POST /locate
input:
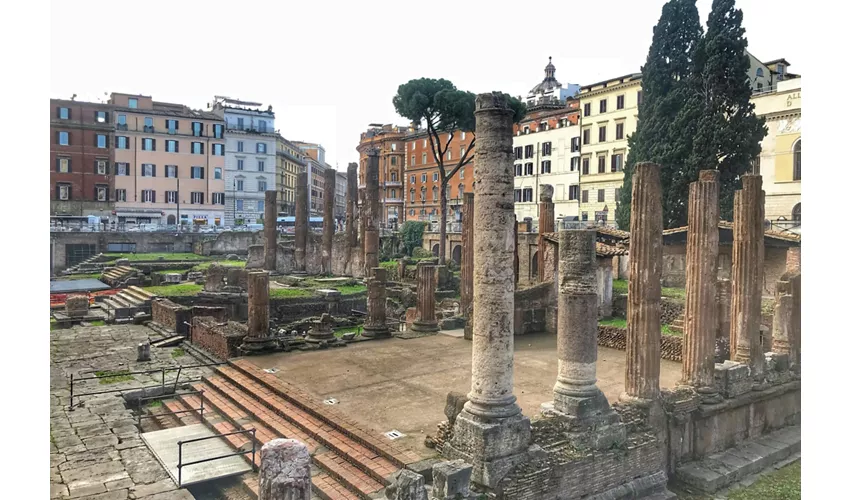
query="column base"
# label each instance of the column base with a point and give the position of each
(254, 345)
(425, 326)
(376, 332)
(599, 432)
(493, 446)
(315, 339)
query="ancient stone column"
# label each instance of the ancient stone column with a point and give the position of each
(701, 285)
(376, 304)
(491, 432)
(643, 331)
(302, 226)
(747, 272)
(285, 470)
(516, 250)
(258, 338)
(793, 259)
(351, 206)
(467, 262)
(724, 309)
(270, 232)
(545, 224)
(328, 223)
(786, 317)
(372, 213)
(426, 284)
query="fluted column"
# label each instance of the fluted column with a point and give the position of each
(643, 331)
(351, 206)
(546, 224)
(270, 232)
(376, 304)
(747, 273)
(786, 317)
(328, 223)
(301, 221)
(372, 204)
(701, 285)
(724, 319)
(467, 262)
(426, 319)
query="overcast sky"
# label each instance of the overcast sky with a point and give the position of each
(330, 69)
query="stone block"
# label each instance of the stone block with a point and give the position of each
(406, 485)
(732, 379)
(285, 470)
(173, 277)
(454, 405)
(451, 479)
(143, 352)
(776, 361)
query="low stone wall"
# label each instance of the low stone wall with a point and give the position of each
(170, 315)
(297, 308)
(219, 338)
(340, 264)
(615, 338)
(671, 309)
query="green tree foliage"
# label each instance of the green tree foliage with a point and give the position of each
(411, 235)
(445, 110)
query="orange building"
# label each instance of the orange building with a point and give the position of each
(389, 140)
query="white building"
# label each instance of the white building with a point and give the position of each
(250, 159)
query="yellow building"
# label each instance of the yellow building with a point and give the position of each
(609, 113)
(779, 162)
(290, 161)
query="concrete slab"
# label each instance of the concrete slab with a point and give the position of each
(164, 446)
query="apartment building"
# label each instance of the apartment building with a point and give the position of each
(340, 194)
(169, 162)
(290, 161)
(251, 159)
(423, 176)
(81, 155)
(389, 140)
(315, 157)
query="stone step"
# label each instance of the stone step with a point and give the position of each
(750, 457)
(136, 296)
(347, 474)
(141, 292)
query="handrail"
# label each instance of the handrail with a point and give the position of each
(164, 396)
(180, 444)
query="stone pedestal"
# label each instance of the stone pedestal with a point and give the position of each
(545, 224)
(302, 227)
(451, 480)
(701, 286)
(491, 433)
(426, 319)
(376, 305)
(328, 223)
(143, 352)
(77, 306)
(467, 262)
(643, 331)
(270, 232)
(285, 471)
(321, 330)
(258, 338)
(747, 275)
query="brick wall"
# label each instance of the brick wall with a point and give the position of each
(615, 338)
(170, 315)
(220, 339)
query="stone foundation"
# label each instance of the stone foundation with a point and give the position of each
(171, 316)
(615, 338)
(220, 339)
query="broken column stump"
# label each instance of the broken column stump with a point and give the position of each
(426, 319)
(258, 338)
(302, 227)
(285, 471)
(270, 232)
(328, 223)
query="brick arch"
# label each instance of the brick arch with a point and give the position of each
(456, 254)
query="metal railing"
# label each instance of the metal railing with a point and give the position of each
(168, 396)
(137, 228)
(181, 464)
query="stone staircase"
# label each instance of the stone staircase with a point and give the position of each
(124, 305)
(91, 265)
(678, 324)
(348, 461)
(117, 276)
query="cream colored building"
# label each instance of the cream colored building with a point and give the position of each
(780, 159)
(290, 161)
(609, 113)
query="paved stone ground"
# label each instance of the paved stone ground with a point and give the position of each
(95, 451)
(402, 384)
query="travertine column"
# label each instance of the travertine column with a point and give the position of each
(786, 317)
(376, 304)
(701, 285)
(285, 471)
(516, 250)
(270, 232)
(545, 224)
(258, 338)
(724, 310)
(491, 432)
(747, 273)
(302, 227)
(643, 331)
(372, 207)
(467, 265)
(328, 223)
(426, 283)
(576, 393)
(351, 206)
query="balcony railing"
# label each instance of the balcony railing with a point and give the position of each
(392, 183)
(250, 128)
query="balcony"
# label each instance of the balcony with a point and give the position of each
(148, 128)
(393, 200)
(121, 126)
(248, 128)
(392, 183)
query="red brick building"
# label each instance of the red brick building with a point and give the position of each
(390, 141)
(81, 155)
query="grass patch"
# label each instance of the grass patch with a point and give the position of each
(53, 324)
(665, 330)
(351, 289)
(176, 353)
(82, 276)
(141, 257)
(182, 290)
(97, 322)
(114, 377)
(156, 403)
(231, 263)
(288, 293)
(782, 484)
(165, 271)
(347, 329)
(621, 287)
(621, 323)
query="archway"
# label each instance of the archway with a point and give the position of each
(796, 214)
(456, 254)
(534, 265)
(172, 220)
(435, 250)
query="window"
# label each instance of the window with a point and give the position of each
(639, 97)
(602, 131)
(424, 143)
(218, 150)
(436, 176)
(460, 191)
(197, 198)
(517, 195)
(262, 126)
(529, 169)
(585, 166)
(240, 204)
(573, 193)
(412, 160)
(148, 124)
(218, 131)
(217, 174)
(603, 106)
(261, 186)
(584, 194)
(759, 72)
(240, 123)
(100, 116)
(122, 169)
(543, 126)
(122, 142)
(412, 195)
(413, 179)
(122, 121)
(171, 196)
(797, 160)
(64, 113)
(261, 166)
(64, 138)
(621, 101)
(197, 129)
(527, 195)
(547, 149)
(424, 178)
(240, 185)
(796, 214)
(414, 145)
(600, 195)
(435, 193)
(63, 165)
(197, 172)
(424, 158)
(617, 163)
(546, 167)
(172, 126)
(587, 109)
(463, 136)
(171, 146)
(529, 151)
(148, 144)
(449, 154)
(171, 171)
(462, 151)
(261, 148)
(585, 136)
(393, 147)
(148, 196)
(63, 191)
(393, 159)
(422, 194)
(218, 198)
(148, 170)
(120, 195)
(392, 194)
(601, 169)
(240, 146)
(100, 140)
(618, 131)
(100, 167)
(197, 148)
(616, 194)
(461, 172)
(575, 145)
(755, 166)
(132, 103)
(240, 164)
(518, 153)
(517, 169)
